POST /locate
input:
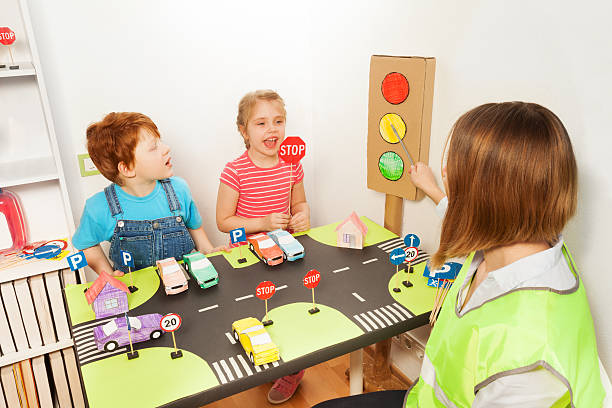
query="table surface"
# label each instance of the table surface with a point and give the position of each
(358, 308)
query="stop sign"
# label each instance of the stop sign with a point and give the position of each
(7, 36)
(292, 150)
(265, 290)
(312, 279)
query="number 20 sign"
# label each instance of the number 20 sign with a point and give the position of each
(170, 322)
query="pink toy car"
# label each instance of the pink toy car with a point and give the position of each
(114, 334)
(172, 276)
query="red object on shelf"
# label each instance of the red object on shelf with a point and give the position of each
(7, 36)
(11, 209)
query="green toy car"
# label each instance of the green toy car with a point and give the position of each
(200, 269)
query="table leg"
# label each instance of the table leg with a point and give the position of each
(356, 376)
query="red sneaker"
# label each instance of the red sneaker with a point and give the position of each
(284, 388)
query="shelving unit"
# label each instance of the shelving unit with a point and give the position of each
(34, 335)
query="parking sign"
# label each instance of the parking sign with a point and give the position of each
(238, 235)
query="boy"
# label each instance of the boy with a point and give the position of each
(146, 211)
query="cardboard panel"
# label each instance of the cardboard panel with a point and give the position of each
(408, 109)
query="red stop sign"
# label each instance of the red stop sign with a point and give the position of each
(265, 290)
(292, 150)
(312, 279)
(7, 36)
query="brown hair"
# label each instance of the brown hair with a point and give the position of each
(512, 178)
(247, 103)
(113, 140)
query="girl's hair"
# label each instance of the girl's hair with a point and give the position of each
(512, 178)
(247, 103)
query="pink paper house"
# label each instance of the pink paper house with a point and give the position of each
(351, 232)
(108, 296)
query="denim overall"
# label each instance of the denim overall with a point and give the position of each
(150, 240)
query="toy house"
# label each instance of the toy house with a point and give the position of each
(351, 232)
(108, 296)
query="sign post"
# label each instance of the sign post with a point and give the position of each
(396, 257)
(131, 354)
(170, 323)
(238, 236)
(311, 281)
(292, 150)
(128, 260)
(264, 291)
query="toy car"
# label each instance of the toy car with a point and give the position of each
(291, 247)
(255, 340)
(200, 268)
(265, 249)
(114, 334)
(172, 276)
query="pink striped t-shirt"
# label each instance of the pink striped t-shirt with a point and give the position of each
(261, 191)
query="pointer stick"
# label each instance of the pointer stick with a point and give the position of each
(403, 145)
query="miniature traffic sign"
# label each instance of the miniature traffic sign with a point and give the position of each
(311, 281)
(292, 150)
(170, 323)
(133, 353)
(396, 257)
(128, 260)
(7, 37)
(264, 291)
(77, 261)
(411, 254)
(238, 236)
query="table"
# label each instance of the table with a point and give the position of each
(358, 308)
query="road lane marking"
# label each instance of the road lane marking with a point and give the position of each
(389, 314)
(227, 370)
(380, 323)
(282, 287)
(358, 297)
(275, 364)
(398, 314)
(362, 323)
(106, 354)
(404, 311)
(378, 312)
(370, 260)
(370, 322)
(383, 246)
(230, 338)
(244, 364)
(236, 368)
(266, 366)
(208, 308)
(341, 269)
(243, 297)
(257, 368)
(219, 373)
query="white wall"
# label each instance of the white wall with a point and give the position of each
(187, 66)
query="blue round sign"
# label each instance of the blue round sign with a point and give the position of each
(412, 240)
(397, 256)
(47, 251)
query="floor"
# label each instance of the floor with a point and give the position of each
(321, 382)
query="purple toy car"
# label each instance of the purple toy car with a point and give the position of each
(114, 334)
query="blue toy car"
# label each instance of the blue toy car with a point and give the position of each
(291, 247)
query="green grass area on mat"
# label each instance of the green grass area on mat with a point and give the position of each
(150, 380)
(296, 332)
(232, 257)
(327, 233)
(146, 280)
(419, 298)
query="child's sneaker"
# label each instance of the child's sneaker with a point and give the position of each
(284, 388)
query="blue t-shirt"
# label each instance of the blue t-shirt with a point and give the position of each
(97, 224)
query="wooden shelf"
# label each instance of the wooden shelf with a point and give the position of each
(25, 69)
(13, 358)
(30, 269)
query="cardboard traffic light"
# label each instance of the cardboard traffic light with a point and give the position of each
(400, 105)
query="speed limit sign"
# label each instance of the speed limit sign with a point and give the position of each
(411, 253)
(170, 322)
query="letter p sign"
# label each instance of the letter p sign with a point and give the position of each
(77, 261)
(127, 259)
(238, 235)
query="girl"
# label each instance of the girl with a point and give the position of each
(515, 329)
(260, 192)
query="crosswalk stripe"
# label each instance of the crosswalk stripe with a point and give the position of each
(362, 323)
(378, 312)
(85, 342)
(275, 364)
(101, 354)
(257, 369)
(236, 368)
(404, 311)
(91, 353)
(230, 338)
(265, 366)
(88, 325)
(391, 248)
(227, 370)
(244, 364)
(390, 315)
(380, 323)
(358, 297)
(371, 323)
(219, 373)
(398, 314)
(81, 350)
(85, 336)
(389, 243)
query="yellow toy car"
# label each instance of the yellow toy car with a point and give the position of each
(255, 340)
